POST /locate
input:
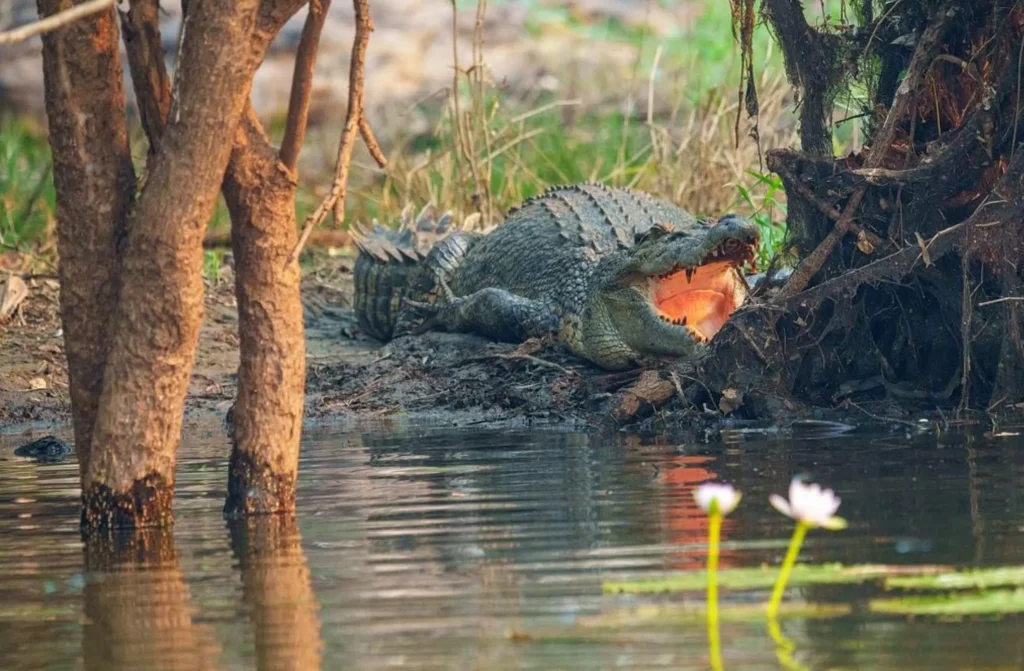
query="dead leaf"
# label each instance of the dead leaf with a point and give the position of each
(37, 383)
(652, 389)
(731, 399)
(528, 346)
(13, 292)
(863, 244)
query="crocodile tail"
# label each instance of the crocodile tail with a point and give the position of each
(384, 262)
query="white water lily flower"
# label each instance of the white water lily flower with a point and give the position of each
(725, 498)
(810, 504)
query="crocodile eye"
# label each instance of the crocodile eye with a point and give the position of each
(653, 232)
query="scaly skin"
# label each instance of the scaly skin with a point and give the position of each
(579, 262)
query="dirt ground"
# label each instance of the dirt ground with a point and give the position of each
(454, 378)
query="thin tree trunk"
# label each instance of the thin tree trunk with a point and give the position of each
(260, 193)
(130, 476)
(95, 185)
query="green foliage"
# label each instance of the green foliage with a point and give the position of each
(769, 214)
(212, 260)
(27, 198)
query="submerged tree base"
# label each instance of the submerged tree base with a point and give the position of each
(257, 488)
(147, 503)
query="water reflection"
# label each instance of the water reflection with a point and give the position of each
(138, 609)
(427, 547)
(277, 589)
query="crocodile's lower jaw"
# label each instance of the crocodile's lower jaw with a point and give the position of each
(700, 300)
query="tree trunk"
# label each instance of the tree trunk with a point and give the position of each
(276, 585)
(130, 477)
(260, 194)
(95, 185)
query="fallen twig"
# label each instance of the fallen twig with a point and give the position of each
(55, 21)
(353, 123)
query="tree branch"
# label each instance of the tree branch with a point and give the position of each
(55, 21)
(371, 142)
(356, 75)
(808, 66)
(140, 31)
(302, 83)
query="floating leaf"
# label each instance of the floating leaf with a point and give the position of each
(764, 578)
(1007, 576)
(998, 602)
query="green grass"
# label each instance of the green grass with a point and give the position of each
(27, 197)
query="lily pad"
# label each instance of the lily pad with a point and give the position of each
(995, 602)
(764, 578)
(1006, 576)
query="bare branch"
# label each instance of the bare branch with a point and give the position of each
(371, 142)
(356, 75)
(302, 83)
(56, 21)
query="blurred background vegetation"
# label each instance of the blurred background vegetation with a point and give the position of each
(666, 124)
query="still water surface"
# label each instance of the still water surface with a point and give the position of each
(433, 548)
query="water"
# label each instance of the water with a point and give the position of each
(434, 548)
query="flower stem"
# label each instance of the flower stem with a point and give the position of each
(714, 640)
(787, 568)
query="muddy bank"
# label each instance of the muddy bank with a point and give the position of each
(453, 379)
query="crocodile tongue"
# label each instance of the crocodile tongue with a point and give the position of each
(702, 299)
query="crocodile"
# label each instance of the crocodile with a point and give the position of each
(616, 275)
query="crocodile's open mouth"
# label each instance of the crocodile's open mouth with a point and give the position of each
(702, 299)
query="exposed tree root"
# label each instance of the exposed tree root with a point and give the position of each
(922, 306)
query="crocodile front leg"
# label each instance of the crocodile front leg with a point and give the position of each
(493, 313)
